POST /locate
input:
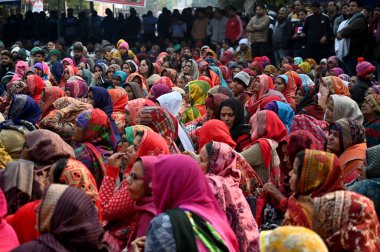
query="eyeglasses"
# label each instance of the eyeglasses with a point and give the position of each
(132, 177)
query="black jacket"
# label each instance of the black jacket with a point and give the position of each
(357, 31)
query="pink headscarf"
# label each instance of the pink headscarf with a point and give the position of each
(8, 237)
(185, 186)
(69, 61)
(20, 68)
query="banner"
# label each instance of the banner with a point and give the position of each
(136, 3)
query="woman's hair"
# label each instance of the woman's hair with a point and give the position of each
(140, 133)
(301, 157)
(209, 148)
(150, 67)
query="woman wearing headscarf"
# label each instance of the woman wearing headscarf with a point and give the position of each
(76, 87)
(205, 70)
(314, 174)
(68, 72)
(35, 85)
(48, 97)
(190, 69)
(139, 79)
(162, 122)
(119, 100)
(218, 161)
(56, 73)
(67, 222)
(118, 208)
(286, 85)
(134, 91)
(346, 221)
(331, 85)
(340, 106)
(61, 119)
(267, 130)
(371, 112)
(196, 96)
(369, 181)
(8, 237)
(25, 179)
(23, 115)
(260, 87)
(118, 79)
(182, 195)
(284, 112)
(133, 108)
(290, 238)
(171, 74)
(347, 141)
(231, 112)
(306, 102)
(146, 69)
(172, 103)
(157, 90)
(218, 72)
(94, 141)
(99, 98)
(20, 68)
(99, 78)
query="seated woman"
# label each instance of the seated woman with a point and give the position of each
(119, 100)
(306, 102)
(94, 141)
(231, 112)
(218, 161)
(290, 238)
(340, 232)
(23, 115)
(340, 106)
(139, 79)
(157, 90)
(347, 141)
(286, 85)
(314, 174)
(267, 130)
(331, 85)
(371, 112)
(133, 108)
(134, 91)
(117, 205)
(259, 89)
(182, 195)
(76, 87)
(284, 112)
(48, 97)
(25, 179)
(64, 208)
(369, 181)
(61, 119)
(196, 94)
(118, 79)
(162, 122)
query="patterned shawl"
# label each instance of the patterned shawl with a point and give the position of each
(162, 122)
(345, 107)
(48, 97)
(265, 83)
(346, 221)
(319, 129)
(136, 90)
(24, 108)
(331, 85)
(320, 173)
(135, 106)
(35, 86)
(350, 131)
(142, 82)
(77, 87)
(17, 87)
(119, 100)
(198, 93)
(290, 91)
(223, 177)
(308, 93)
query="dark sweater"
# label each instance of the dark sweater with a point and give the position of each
(357, 31)
(282, 35)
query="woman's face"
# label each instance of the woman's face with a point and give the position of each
(203, 159)
(82, 66)
(122, 51)
(227, 115)
(284, 149)
(187, 97)
(279, 85)
(137, 80)
(130, 94)
(367, 110)
(110, 73)
(187, 68)
(329, 114)
(181, 83)
(235, 71)
(67, 90)
(98, 72)
(116, 81)
(256, 85)
(90, 98)
(237, 87)
(143, 69)
(210, 113)
(132, 150)
(299, 96)
(128, 118)
(66, 74)
(284, 61)
(79, 134)
(333, 144)
(293, 175)
(53, 58)
(135, 181)
(126, 69)
(39, 72)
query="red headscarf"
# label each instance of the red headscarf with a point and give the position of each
(50, 96)
(215, 130)
(35, 86)
(119, 99)
(253, 104)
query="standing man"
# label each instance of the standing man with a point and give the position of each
(282, 35)
(317, 31)
(234, 28)
(257, 32)
(199, 29)
(149, 25)
(217, 27)
(356, 30)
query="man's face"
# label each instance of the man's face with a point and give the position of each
(331, 7)
(5, 60)
(315, 10)
(345, 10)
(281, 15)
(298, 6)
(353, 8)
(301, 15)
(51, 45)
(376, 12)
(78, 54)
(38, 57)
(259, 11)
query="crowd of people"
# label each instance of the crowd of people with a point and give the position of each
(209, 146)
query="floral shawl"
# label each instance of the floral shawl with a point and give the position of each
(253, 104)
(135, 106)
(77, 87)
(223, 178)
(119, 100)
(346, 221)
(48, 97)
(198, 93)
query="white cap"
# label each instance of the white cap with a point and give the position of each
(243, 77)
